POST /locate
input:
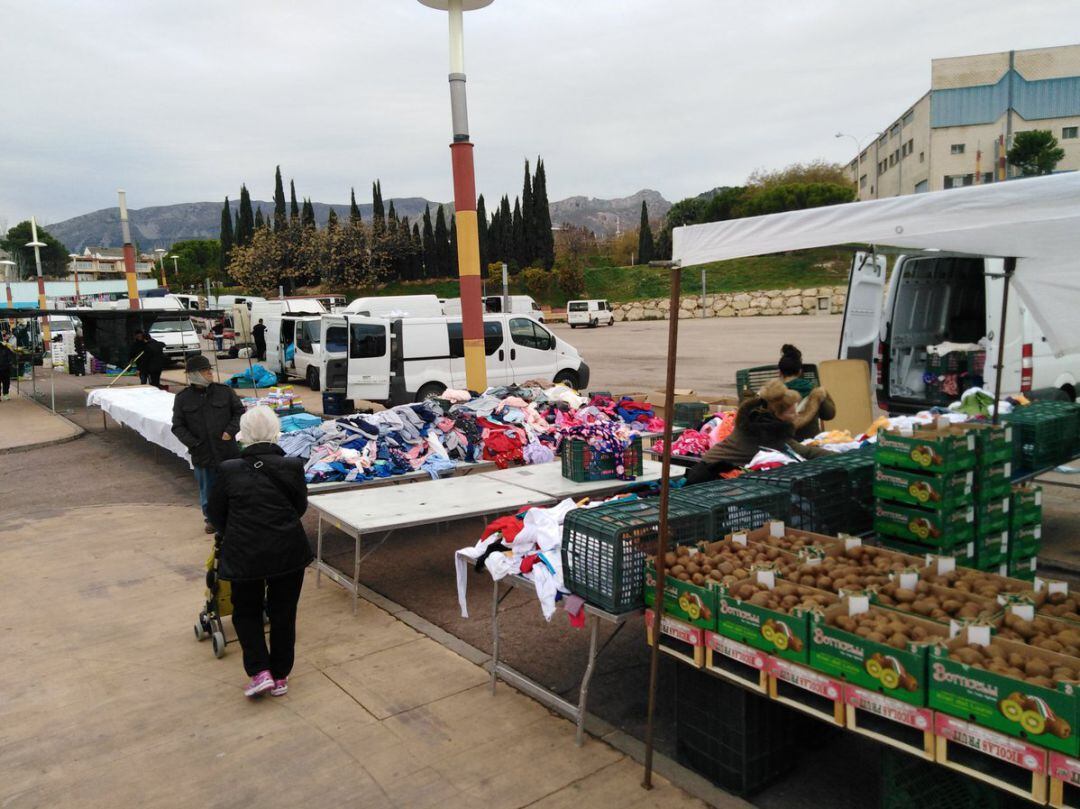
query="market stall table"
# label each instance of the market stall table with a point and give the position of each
(547, 478)
(145, 409)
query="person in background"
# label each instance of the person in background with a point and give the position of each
(206, 418)
(259, 333)
(149, 356)
(8, 363)
(256, 505)
(218, 330)
(815, 403)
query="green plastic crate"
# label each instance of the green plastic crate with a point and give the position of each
(577, 461)
(604, 548)
(690, 414)
(858, 466)
(749, 380)
(908, 782)
(1043, 435)
(818, 496)
(734, 505)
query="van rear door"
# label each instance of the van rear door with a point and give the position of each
(334, 338)
(862, 312)
(368, 375)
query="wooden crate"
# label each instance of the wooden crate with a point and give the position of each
(1064, 781)
(1005, 762)
(737, 662)
(890, 721)
(806, 690)
(679, 640)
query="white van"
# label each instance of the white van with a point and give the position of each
(493, 304)
(928, 299)
(591, 313)
(178, 335)
(403, 360)
(396, 306)
(227, 302)
(292, 336)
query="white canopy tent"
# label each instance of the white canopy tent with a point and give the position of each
(1036, 221)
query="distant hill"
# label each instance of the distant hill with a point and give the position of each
(162, 225)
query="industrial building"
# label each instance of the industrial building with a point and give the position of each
(959, 131)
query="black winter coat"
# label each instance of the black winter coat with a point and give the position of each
(201, 415)
(257, 511)
(153, 354)
(7, 357)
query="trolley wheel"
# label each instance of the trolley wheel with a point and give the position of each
(218, 641)
(202, 627)
(200, 633)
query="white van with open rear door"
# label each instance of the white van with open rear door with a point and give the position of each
(292, 334)
(893, 315)
(401, 360)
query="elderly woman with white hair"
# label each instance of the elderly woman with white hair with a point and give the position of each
(256, 505)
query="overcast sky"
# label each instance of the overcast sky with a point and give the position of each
(181, 102)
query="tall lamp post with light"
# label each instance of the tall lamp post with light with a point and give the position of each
(42, 303)
(8, 264)
(160, 253)
(175, 269)
(461, 159)
(75, 272)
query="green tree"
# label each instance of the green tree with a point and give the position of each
(391, 215)
(816, 171)
(506, 233)
(279, 201)
(544, 238)
(482, 230)
(796, 196)
(307, 215)
(197, 260)
(428, 246)
(528, 223)
(294, 209)
(417, 252)
(517, 235)
(247, 218)
(645, 239)
(331, 219)
(226, 235)
(54, 256)
(354, 209)
(378, 213)
(442, 245)
(571, 281)
(536, 281)
(259, 222)
(1035, 152)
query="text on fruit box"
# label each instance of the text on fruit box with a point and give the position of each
(889, 708)
(737, 651)
(804, 678)
(1065, 769)
(678, 630)
(991, 743)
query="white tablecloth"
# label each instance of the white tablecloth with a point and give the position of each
(145, 409)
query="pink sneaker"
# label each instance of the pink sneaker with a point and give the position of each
(260, 683)
(281, 687)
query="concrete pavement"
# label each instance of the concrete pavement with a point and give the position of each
(25, 424)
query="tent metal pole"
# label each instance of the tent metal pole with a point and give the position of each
(1010, 268)
(665, 493)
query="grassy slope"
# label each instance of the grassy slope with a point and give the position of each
(802, 269)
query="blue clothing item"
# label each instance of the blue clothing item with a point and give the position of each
(205, 477)
(299, 421)
(435, 465)
(299, 443)
(290, 352)
(263, 378)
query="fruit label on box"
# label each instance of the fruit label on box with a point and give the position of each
(737, 651)
(993, 744)
(919, 525)
(889, 708)
(677, 629)
(936, 491)
(683, 600)
(769, 630)
(927, 450)
(805, 678)
(1064, 768)
(776, 528)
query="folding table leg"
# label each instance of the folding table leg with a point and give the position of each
(583, 695)
(356, 576)
(494, 634)
(318, 555)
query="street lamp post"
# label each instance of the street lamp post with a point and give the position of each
(7, 264)
(129, 253)
(43, 306)
(160, 253)
(175, 271)
(461, 159)
(75, 272)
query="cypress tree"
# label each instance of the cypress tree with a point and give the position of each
(307, 214)
(544, 239)
(226, 235)
(259, 222)
(427, 245)
(442, 245)
(391, 214)
(378, 213)
(528, 248)
(331, 220)
(482, 234)
(294, 209)
(247, 218)
(354, 209)
(517, 236)
(645, 248)
(506, 231)
(236, 228)
(417, 252)
(279, 201)
(453, 245)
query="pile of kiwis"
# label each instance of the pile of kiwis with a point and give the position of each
(1044, 633)
(941, 605)
(998, 658)
(851, 569)
(889, 628)
(788, 542)
(981, 583)
(727, 563)
(1061, 605)
(783, 597)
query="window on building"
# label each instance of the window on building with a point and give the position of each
(922, 156)
(958, 180)
(1068, 132)
(894, 131)
(909, 116)
(911, 146)
(862, 181)
(956, 148)
(903, 150)
(862, 157)
(987, 177)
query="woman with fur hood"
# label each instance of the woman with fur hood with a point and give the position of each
(815, 403)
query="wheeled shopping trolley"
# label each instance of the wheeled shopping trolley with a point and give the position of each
(218, 604)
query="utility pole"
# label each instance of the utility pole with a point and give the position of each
(129, 253)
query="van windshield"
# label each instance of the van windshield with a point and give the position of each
(171, 326)
(578, 306)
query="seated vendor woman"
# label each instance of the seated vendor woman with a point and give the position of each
(815, 403)
(767, 421)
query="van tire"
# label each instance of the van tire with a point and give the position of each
(611, 322)
(567, 377)
(313, 378)
(592, 324)
(573, 325)
(432, 390)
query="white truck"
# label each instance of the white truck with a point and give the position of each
(399, 360)
(928, 299)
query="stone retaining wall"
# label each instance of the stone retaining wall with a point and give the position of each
(737, 304)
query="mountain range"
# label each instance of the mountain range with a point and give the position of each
(162, 225)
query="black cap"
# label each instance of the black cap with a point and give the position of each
(198, 363)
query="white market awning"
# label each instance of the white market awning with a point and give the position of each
(1035, 220)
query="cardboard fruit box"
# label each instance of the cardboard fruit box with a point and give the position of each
(935, 528)
(994, 480)
(938, 491)
(991, 549)
(1025, 540)
(963, 553)
(993, 442)
(683, 600)
(777, 632)
(776, 534)
(943, 571)
(992, 515)
(1023, 568)
(1048, 717)
(869, 660)
(1026, 505)
(952, 605)
(931, 450)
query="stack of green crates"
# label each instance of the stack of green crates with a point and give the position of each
(858, 465)
(1046, 434)
(1025, 530)
(993, 488)
(923, 487)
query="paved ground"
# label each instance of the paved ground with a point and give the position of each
(24, 423)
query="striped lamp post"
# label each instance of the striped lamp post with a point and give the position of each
(461, 158)
(129, 254)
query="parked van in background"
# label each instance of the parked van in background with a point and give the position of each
(227, 302)
(396, 306)
(891, 318)
(591, 313)
(493, 304)
(400, 360)
(292, 336)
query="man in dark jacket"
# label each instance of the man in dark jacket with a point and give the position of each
(256, 504)
(206, 419)
(8, 363)
(151, 358)
(259, 333)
